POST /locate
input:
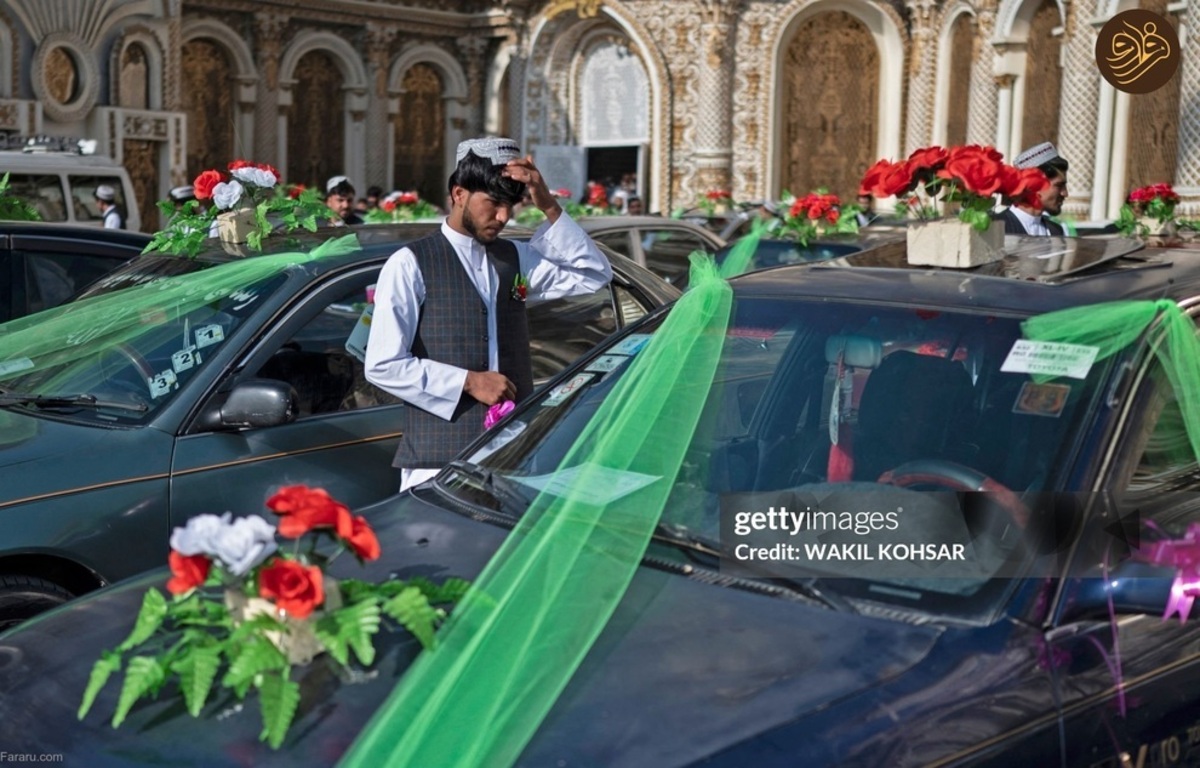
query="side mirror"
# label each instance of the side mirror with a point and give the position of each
(1135, 587)
(254, 403)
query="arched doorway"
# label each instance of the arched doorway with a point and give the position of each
(420, 130)
(316, 131)
(207, 73)
(831, 92)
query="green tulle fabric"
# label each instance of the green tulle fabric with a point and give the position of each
(514, 642)
(1113, 326)
(83, 328)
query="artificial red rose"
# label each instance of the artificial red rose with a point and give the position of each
(303, 509)
(718, 194)
(832, 215)
(927, 159)
(233, 166)
(187, 572)
(204, 183)
(295, 588)
(295, 191)
(407, 198)
(359, 536)
(1022, 183)
(892, 179)
(871, 178)
(975, 170)
(388, 205)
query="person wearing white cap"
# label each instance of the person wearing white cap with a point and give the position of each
(449, 335)
(339, 196)
(1024, 219)
(106, 200)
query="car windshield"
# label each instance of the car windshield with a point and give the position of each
(775, 253)
(129, 358)
(821, 400)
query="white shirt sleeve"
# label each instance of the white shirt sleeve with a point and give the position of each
(389, 364)
(561, 260)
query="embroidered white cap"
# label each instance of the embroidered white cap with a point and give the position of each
(499, 150)
(333, 182)
(182, 194)
(106, 192)
(1036, 156)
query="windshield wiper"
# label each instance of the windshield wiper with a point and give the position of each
(8, 399)
(686, 540)
(501, 488)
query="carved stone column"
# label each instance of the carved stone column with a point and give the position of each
(1080, 99)
(473, 51)
(981, 112)
(269, 31)
(378, 127)
(919, 128)
(714, 128)
(1187, 169)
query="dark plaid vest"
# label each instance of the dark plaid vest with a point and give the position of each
(453, 329)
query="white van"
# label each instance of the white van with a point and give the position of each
(60, 185)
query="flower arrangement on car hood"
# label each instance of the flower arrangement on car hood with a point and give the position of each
(248, 195)
(816, 214)
(243, 605)
(968, 177)
(402, 206)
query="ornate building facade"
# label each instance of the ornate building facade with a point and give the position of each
(754, 96)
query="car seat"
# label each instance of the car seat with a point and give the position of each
(912, 407)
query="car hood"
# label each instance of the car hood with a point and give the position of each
(682, 670)
(33, 452)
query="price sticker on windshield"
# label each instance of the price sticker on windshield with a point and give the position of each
(1050, 358)
(163, 383)
(208, 335)
(605, 363)
(185, 359)
(563, 392)
(630, 345)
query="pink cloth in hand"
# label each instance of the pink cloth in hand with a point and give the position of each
(497, 412)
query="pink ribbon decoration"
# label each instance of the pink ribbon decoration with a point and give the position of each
(497, 412)
(1183, 554)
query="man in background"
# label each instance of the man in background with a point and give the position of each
(106, 201)
(1025, 219)
(339, 196)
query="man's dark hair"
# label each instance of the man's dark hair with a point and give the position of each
(1054, 168)
(477, 174)
(343, 188)
(374, 191)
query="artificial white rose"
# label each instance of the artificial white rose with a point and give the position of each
(259, 177)
(227, 194)
(244, 544)
(197, 537)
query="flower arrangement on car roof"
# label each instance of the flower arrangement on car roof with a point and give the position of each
(817, 214)
(967, 177)
(715, 202)
(243, 204)
(402, 206)
(243, 605)
(1147, 208)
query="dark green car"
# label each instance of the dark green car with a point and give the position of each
(210, 409)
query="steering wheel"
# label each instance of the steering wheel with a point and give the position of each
(959, 478)
(131, 358)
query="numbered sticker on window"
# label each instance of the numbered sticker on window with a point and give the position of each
(630, 345)
(163, 383)
(563, 392)
(605, 363)
(208, 335)
(185, 359)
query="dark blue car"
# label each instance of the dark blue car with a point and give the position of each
(855, 386)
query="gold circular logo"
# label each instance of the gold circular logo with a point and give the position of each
(1137, 51)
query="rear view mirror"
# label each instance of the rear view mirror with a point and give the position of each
(254, 403)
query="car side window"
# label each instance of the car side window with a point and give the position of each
(43, 191)
(1166, 453)
(618, 241)
(319, 360)
(667, 253)
(84, 201)
(52, 278)
(561, 330)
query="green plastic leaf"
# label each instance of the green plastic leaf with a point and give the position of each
(412, 609)
(449, 591)
(145, 674)
(254, 657)
(357, 625)
(327, 631)
(108, 663)
(279, 697)
(150, 618)
(197, 668)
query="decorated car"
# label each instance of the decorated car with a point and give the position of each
(842, 513)
(181, 385)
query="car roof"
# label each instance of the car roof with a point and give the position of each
(73, 232)
(1106, 269)
(590, 223)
